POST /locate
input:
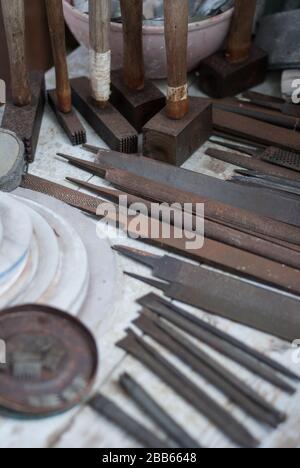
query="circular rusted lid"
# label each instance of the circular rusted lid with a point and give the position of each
(51, 361)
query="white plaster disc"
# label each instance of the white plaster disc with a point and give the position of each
(49, 258)
(72, 276)
(16, 237)
(25, 278)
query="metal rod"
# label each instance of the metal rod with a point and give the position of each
(160, 366)
(112, 412)
(157, 413)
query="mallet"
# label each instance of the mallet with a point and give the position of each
(136, 98)
(60, 99)
(175, 133)
(242, 65)
(24, 110)
(91, 98)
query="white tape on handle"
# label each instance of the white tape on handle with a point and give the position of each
(100, 66)
(177, 94)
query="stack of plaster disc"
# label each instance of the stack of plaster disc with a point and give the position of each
(43, 259)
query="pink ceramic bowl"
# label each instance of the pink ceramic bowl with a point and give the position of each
(205, 38)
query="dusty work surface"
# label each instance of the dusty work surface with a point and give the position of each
(81, 427)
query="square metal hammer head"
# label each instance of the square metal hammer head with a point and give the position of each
(174, 141)
(219, 78)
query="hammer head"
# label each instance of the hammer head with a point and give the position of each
(174, 141)
(137, 106)
(26, 121)
(107, 122)
(219, 78)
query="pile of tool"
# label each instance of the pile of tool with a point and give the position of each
(172, 328)
(263, 135)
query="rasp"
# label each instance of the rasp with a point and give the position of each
(112, 412)
(247, 109)
(193, 394)
(213, 230)
(214, 292)
(214, 211)
(208, 368)
(268, 204)
(212, 253)
(253, 164)
(260, 180)
(219, 340)
(156, 412)
(255, 130)
(213, 302)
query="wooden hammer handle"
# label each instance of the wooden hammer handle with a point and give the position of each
(99, 18)
(176, 35)
(240, 36)
(14, 23)
(57, 34)
(133, 62)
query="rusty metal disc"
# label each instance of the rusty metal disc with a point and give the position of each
(51, 361)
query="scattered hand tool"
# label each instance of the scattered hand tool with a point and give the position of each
(261, 180)
(258, 112)
(242, 65)
(271, 102)
(137, 100)
(194, 395)
(12, 161)
(175, 133)
(272, 155)
(256, 131)
(220, 255)
(112, 412)
(92, 98)
(209, 369)
(60, 99)
(253, 164)
(23, 114)
(160, 182)
(221, 341)
(157, 413)
(213, 230)
(222, 295)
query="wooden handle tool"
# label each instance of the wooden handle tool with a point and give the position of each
(176, 35)
(100, 54)
(57, 34)
(14, 23)
(133, 62)
(240, 36)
